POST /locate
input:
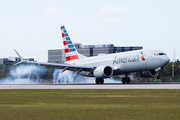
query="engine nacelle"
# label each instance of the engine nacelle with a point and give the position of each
(151, 73)
(103, 72)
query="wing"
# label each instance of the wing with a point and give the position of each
(82, 70)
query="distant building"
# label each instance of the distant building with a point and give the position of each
(10, 60)
(58, 56)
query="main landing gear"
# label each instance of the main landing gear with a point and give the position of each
(126, 80)
(99, 81)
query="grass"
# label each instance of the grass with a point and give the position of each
(89, 104)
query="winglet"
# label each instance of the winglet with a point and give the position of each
(18, 55)
(22, 60)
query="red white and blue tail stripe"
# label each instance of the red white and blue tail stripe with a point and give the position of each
(69, 48)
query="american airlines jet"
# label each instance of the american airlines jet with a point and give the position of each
(146, 62)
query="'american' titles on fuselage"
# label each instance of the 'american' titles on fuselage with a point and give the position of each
(126, 59)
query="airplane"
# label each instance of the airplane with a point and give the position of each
(147, 62)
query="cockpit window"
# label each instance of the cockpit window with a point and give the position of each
(157, 54)
(162, 53)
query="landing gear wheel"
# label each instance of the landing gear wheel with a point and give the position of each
(123, 80)
(99, 81)
(126, 80)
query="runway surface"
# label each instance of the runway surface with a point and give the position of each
(92, 86)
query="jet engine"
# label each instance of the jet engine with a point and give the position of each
(151, 73)
(103, 72)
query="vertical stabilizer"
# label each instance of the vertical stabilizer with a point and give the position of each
(69, 48)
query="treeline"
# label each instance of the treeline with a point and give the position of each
(4, 69)
(167, 72)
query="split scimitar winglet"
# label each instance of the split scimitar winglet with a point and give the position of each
(21, 59)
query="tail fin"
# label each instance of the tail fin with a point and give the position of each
(70, 51)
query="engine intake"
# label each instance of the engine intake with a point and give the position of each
(103, 72)
(151, 73)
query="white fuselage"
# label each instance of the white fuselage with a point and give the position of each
(132, 61)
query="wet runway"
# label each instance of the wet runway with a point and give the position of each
(91, 86)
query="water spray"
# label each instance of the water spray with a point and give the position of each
(24, 74)
(30, 74)
(68, 77)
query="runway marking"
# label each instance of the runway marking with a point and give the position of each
(93, 86)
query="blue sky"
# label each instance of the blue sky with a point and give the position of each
(33, 27)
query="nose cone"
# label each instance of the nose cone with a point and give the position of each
(165, 60)
(168, 59)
